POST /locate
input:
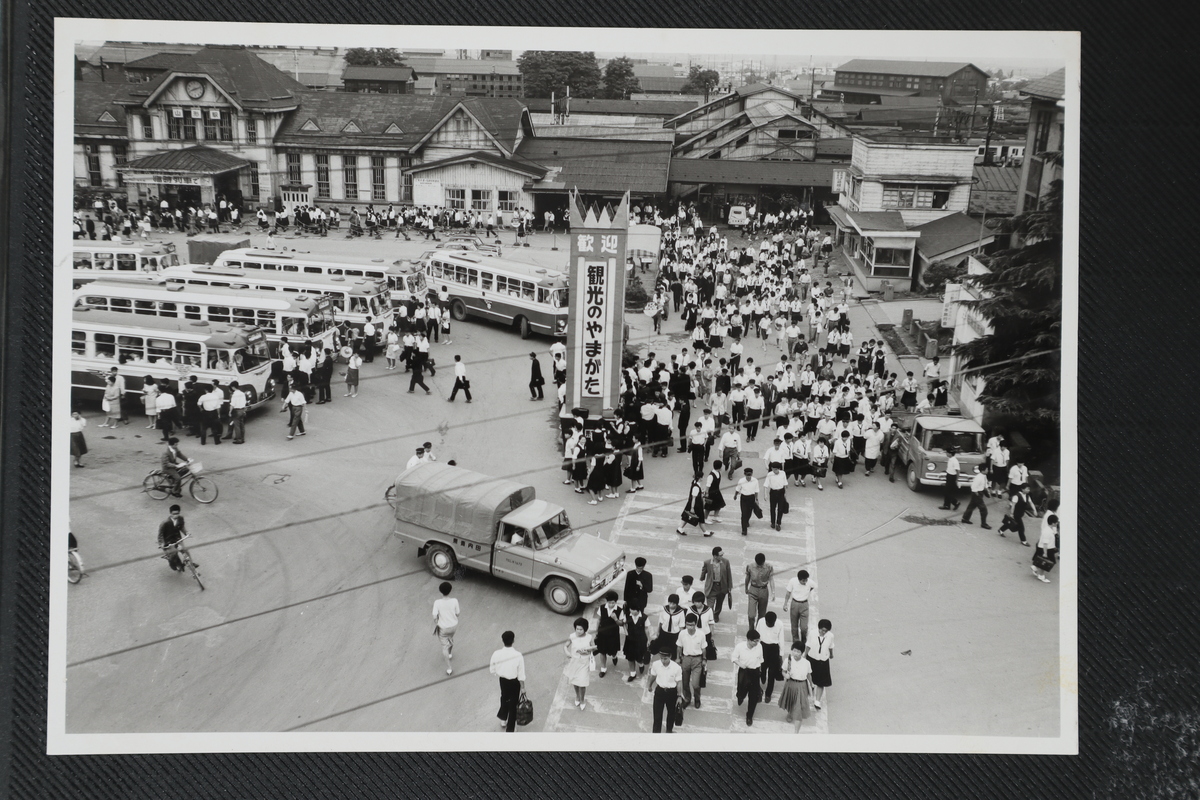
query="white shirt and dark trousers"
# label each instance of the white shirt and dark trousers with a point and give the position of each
(952, 470)
(749, 661)
(979, 488)
(460, 382)
(509, 666)
(666, 678)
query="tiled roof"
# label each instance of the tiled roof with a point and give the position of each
(754, 173)
(623, 132)
(600, 165)
(651, 83)
(248, 79)
(415, 115)
(649, 108)
(1051, 87)
(881, 91)
(999, 179)
(196, 159)
(448, 66)
(357, 73)
(949, 233)
(931, 69)
(158, 61)
(92, 100)
(482, 156)
(758, 88)
(878, 220)
(654, 70)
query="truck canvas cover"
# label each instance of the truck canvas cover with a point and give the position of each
(457, 501)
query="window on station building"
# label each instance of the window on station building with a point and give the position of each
(506, 200)
(147, 126)
(456, 198)
(255, 189)
(378, 184)
(350, 176)
(912, 195)
(120, 158)
(322, 175)
(252, 131)
(93, 164)
(293, 167)
(481, 199)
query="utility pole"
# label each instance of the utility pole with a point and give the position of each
(974, 106)
(987, 144)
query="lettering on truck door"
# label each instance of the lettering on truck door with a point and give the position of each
(514, 562)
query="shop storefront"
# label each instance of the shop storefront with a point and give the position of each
(193, 176)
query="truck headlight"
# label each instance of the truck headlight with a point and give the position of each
(598, 581)
(931, 467)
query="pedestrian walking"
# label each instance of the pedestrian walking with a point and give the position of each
(665, 677)
(238, 402)
(638, 585)
(670, 623)
(713, 499)
(747, 491)
(608, 630)
(1046, 553)
(78, 443)
(460, 380)
(693, 511)
(580, 651)
(419, 360)
(392, 352)
(353, 363)
(950, 499)
(748, 658)
(111, 403)
(446, 612)
(150, 393)
(294, 404)
(536, 381)
(1019, 506)
(979, 493)
(843, 463)
(210, 413)
(760, 588)
(691, 646)
(119, 382)
(509, 666)
(770, 637)
(819, 658)
(800, 590)
(795, 698)
(167, 407)
(776, 485)
(717, 575)
(636, 471)
(637, 639)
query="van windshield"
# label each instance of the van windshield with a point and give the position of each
(554, 528)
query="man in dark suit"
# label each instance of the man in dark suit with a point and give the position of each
(323, 375)
(536, 381)
(717, 575)
(638, 584)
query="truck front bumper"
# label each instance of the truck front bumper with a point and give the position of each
(591, 598)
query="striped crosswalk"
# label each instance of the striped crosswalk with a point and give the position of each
(646, 527)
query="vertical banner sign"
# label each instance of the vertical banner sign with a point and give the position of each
(596, 320)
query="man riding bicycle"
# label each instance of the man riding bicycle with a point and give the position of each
(174, 464)
(170, 539)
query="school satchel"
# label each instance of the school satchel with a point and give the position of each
(757, 509)
(524, 710)
(689, 518)
(704, 675)
(678, 710)
(784, 507)
(1042, 561)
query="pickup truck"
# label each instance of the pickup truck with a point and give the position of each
(922, 449)
(463, 519)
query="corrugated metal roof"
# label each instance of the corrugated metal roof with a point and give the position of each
(999, 179)
(601, 165)
(1051, 87)
(752, 173)
(931, 69)
(878, 220)
(650, 108)
(199, 159)
(835, 147)
(655, 84)
(654, 71)
(248, 79)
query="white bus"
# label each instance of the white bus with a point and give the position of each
(168, 350)
(406, 282)
(353, 299)
(94, 260)
(299, 317)
(529, 298)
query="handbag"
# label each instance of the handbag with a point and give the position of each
(757, 509)
(704, 675)
(784, 507)
(689, 518)
(678, 710)
(592, 663)
(524, 710)
(1042, 561)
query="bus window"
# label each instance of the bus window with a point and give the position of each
(558, 298)
(106, 345)
(485, 281)
(158, 349)
(187, 353)
(267, 318)
(543, 295)
(501, 284)
(472, 277)
(131, 347)
(527, 290)
(149, 264)
(358, 305)
(167, 310)
(435, 270)
(290, 268)
(335, 272)
(293, 291)
(269, 265)
(79, 343)
(144, 307)
(218, 313)
(239, 264)
(356, 273)
(294, 327)
(104, 261)
(99, 303)
(191, 312)
(83, 261)
(316, 270)
(244, 315)
(120, 304)
(126, 262)
(376, 309)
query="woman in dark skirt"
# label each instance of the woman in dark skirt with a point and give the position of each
(694, 510)
(598, 478)
(880, 363)
(713, 501)
(612, 464)
(636, 471)
(820, 653)
(579, 467)
(608, 631)
(908, 397)
(637, 640)
(78, 443)
(842, 463)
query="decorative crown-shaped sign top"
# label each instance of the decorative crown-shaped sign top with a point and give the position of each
(594, 216)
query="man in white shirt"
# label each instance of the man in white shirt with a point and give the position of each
(979, 490)
(665, 677)
(748, 658)
(776, 485)
(690, 647)
(294, 404)
(800, 590)
(731, 446)
(460, 380)
(369, 341)
(777, 454)
(952, 469)
(509, 666)
(210, 413)
(747, 493)
(419, 458)
(237, 413)
(445, 616)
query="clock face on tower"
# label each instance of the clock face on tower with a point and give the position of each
(195, 89)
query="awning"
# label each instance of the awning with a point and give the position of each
(196, 160)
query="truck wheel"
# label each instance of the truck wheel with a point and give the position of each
(440, 560)
(523, 324)
(912, 479)
(458, 310)
(560, 596)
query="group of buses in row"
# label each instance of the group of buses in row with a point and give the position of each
(138, 307)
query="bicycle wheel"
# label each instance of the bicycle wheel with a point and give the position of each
(195, 573)
(73, 571)
(389, 495)
(203, 490)
(157, 485)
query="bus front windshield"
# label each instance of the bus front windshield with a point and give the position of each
(252, 356)
(416, 284)
(317, 323)
(558, 298)
(376, 301)
(296, 326)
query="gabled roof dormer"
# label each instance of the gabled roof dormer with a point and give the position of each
(352, 127)
(392, 129)
(310, 126)
(107, 117)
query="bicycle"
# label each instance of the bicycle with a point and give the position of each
(160, 485)
(75, 571)
(184, 556)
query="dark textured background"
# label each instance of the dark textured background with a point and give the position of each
(1139, 713)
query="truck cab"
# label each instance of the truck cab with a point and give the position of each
(459, 519)
(924, 443)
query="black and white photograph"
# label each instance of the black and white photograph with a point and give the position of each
(426, 385)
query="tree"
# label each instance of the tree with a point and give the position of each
(547, 71)
(939, 273)
(619, 80)
(373, 57)
(701, 81)
(1020, 361)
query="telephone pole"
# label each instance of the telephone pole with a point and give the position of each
(974, 106)
(987, 144)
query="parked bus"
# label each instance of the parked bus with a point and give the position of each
(299, 317)
(352, 299)
(94, 260)
(527, 297)
(168, 350)
(406, 282)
